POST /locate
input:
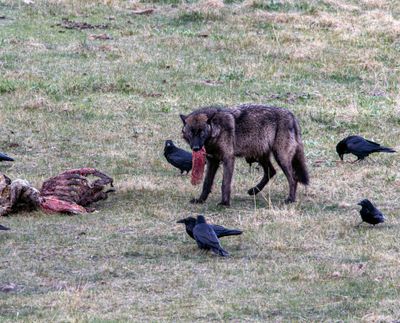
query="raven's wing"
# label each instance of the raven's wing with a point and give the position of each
(380, 148)
(359, 145)
(184, 153)
(206, 235)
(221, 231)
(180, 160)
(187, 156)
(377, 215)
(373, 143)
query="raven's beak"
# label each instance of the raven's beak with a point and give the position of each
(181, 221)
(359, 203)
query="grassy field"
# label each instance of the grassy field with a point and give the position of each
(69, 98)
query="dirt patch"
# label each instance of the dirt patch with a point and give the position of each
(100, 37)
(69, 24)
(143, 11)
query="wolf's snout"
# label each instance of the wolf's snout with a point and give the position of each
(196, 148)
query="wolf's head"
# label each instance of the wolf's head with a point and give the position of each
(197, 129)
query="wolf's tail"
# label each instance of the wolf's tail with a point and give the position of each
(299, 160)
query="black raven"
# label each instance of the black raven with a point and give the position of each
(206, 238)
(219, 230)
(369, 213)
(4, 157)
(2, 227)
(359, 147)
(177, 157)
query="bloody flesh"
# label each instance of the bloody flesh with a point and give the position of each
(198, 163)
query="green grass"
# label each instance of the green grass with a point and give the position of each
(69, 101)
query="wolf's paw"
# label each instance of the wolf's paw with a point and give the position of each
(225, 204)
(289, 200)
(253, 191)
(196, 201)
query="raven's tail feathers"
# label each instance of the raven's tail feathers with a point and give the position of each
(386, 150)
(5, 157)
(230, 232)
(2, 227)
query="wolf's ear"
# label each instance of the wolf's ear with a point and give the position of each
(183, 118)
(211, 117)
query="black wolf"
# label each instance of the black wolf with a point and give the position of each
(250, 131)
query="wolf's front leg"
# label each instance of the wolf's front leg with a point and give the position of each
(212, 167)
(229, 164)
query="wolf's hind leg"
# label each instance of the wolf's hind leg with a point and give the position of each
(284, 161)
(269, 172)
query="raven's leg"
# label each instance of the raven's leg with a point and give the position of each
(357, 160)
(359, 224)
